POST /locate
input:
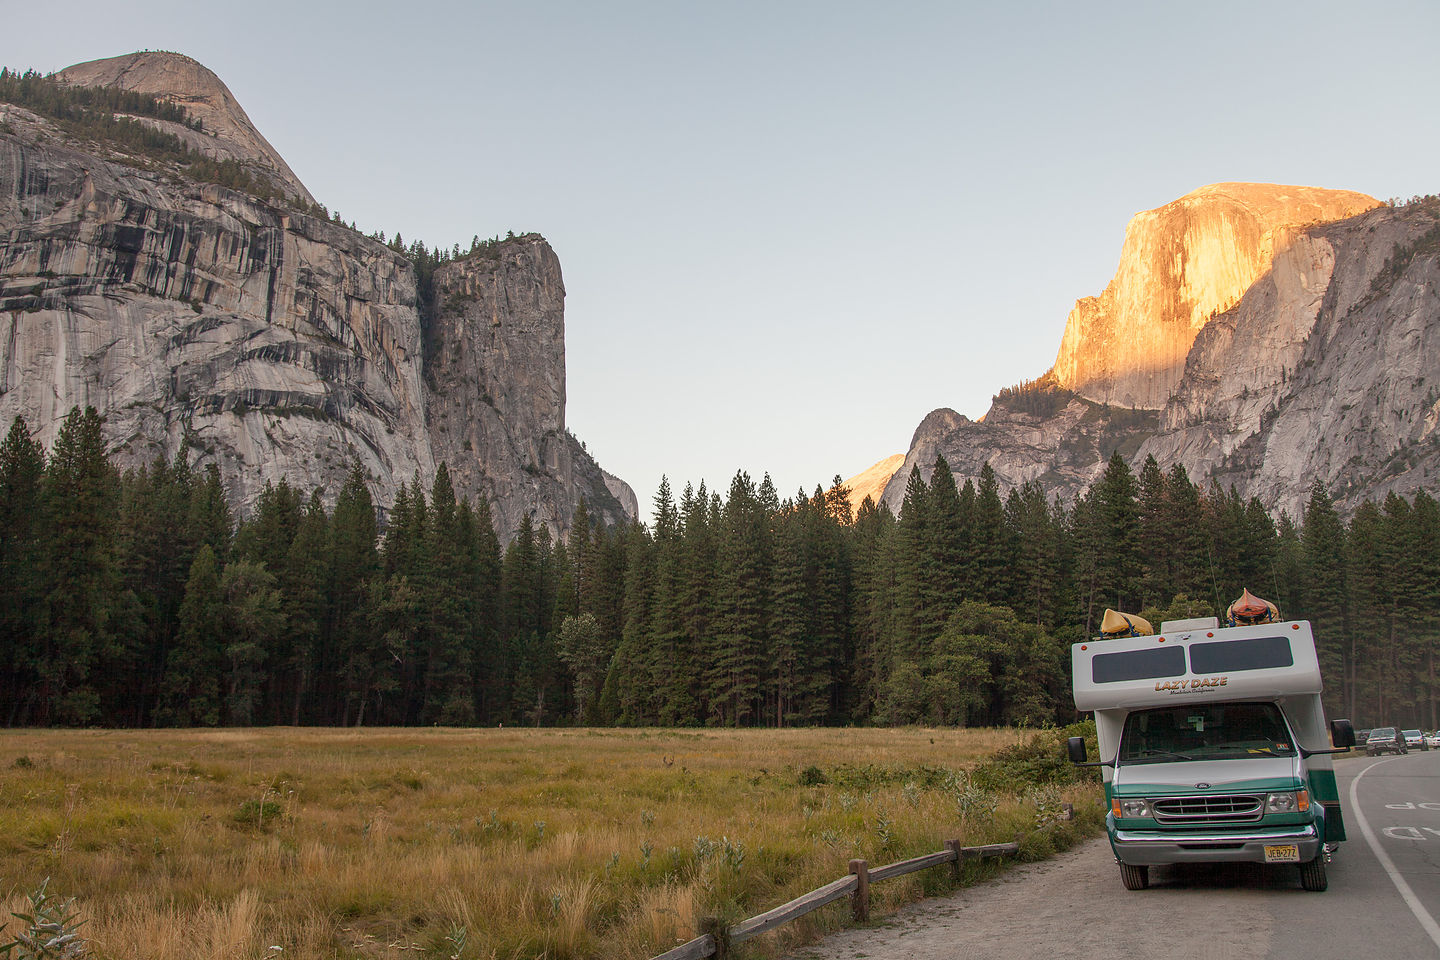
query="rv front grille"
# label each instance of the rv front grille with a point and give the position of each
(1230, 808)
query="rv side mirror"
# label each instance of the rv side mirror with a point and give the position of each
(1075, 746)
(1342, 733)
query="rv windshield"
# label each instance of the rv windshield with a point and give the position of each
(1218, 731)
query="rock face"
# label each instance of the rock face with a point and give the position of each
(1326, 366)
(497, 367)
(275, 344)
(1181, 265)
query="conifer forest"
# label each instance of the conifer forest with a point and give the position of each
(136, 599)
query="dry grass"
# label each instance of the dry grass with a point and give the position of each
(304, 843)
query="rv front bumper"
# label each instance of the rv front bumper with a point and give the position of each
(1160, 847)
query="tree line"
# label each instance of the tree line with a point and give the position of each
(136, 599)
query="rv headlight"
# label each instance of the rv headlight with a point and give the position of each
(1135, 808)
(1281, 803)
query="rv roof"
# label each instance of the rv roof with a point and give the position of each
(1206, 663)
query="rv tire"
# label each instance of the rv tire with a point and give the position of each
(1312, 874)
(1137, 878)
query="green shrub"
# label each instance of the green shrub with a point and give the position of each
(1039, 761)
(257, 813)
(813, 776)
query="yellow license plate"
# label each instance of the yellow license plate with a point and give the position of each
(1282, 853)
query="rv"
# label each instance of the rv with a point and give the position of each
(1213, 746)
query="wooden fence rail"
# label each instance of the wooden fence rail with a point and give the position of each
(856, 886)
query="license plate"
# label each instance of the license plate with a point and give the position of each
(1282, 853)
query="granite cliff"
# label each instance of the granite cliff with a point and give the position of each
(1259, 335)
(269, 340)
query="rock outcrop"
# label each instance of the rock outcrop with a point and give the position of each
(1325, 367)
(275, 344)
(1048, 436)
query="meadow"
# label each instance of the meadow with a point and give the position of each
(323, 844)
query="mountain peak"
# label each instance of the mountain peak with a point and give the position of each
(185, 82)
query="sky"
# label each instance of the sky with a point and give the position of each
(790, 230)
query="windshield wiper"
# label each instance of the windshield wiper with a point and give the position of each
(1168, 753)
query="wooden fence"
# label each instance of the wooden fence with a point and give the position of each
(716, 942)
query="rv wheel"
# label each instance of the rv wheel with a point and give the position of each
(1138, 878)
(1312, 874)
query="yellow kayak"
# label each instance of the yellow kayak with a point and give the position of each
(1116, 624)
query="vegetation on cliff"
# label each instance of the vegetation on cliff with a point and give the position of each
(85, 107)
(1042, 397)
(136, 600)
(90, 113)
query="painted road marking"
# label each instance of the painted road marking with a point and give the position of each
(1409, 833)
(1408, 895)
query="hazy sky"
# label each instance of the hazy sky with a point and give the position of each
(791, 230)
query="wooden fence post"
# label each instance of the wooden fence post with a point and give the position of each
(954, 847)
(860, 899)
(1067, 811)
(717, 939)
(719, 931)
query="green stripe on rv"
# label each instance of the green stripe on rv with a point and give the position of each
(1323, 787)
(1323, 790)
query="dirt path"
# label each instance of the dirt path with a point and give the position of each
(1071, 907)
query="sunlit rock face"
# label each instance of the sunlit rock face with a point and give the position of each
(1328, 368)
(1325, 367)
(271, 343)
(1182, 264)
(871, 482)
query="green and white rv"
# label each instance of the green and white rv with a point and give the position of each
(1213, 746)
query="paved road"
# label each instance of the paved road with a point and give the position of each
(1383, 901)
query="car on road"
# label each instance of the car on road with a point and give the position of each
(1432, 740)
(1384, 740)
(1414, 740)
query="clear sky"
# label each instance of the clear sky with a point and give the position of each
(789, 230)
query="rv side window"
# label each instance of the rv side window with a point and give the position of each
(1138, 665)
(1224, 656)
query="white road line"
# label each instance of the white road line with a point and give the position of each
(1421, 914)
